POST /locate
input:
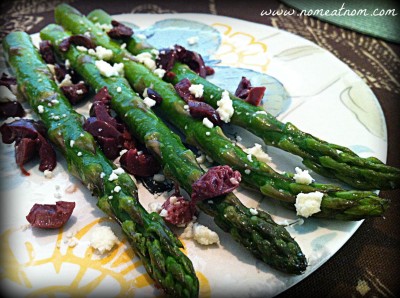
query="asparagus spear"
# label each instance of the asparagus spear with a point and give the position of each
(327, 159)
(256, 232)
(150, 238)
(336, 203)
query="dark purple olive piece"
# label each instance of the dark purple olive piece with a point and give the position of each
(154, 95)
(47, 216)
(182, 88)
(141, 165)
(11, 109)
(7, 80)
(217, 181)
(47, 52)
(119, 30)
(200, 110)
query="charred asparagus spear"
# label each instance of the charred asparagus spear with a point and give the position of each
(151, 239)
(256, 232)
(327, 159)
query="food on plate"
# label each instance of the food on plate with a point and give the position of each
(178, 162)
(157, 247)
(330, 160)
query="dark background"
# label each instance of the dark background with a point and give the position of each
(372, 254)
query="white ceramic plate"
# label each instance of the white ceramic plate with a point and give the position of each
(325, 101)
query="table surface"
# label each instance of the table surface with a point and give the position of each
(372, 255)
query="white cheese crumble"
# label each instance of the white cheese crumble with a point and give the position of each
(208, 133)
(101, 53)
(260, 112)
(147, 59)
(258, 153)
(204, 235)
(118, 171)
(159, 177)
(113, 177)
(117, 188)
(48, 174)
(193, 40)
(103, 239)
(197, 90)
(225, 108)
(253, 211)
(308, 204)
(40, 109)
(66, 81)
(108, 70)
(302, 177)
(163, 213)
(160, 72)
(247, 171)
(149, 102)
(6, 94)
(208, 123)
(81, 48)
(102, 175)
(119, 89)
(155, 207)
(79, 153)
(71, 143)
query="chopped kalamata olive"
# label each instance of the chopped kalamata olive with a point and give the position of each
(60, 72)
(243, 88)
(78, 40)
(182, 88)
(47, 216)
(25, 150)
(75, 93)
(200, 110)
(140, 164)
(154, 95)
(255, 95)
(7, 81)
(110, 146)
(18, 130)
(178, 211)
(11, 109)
(217, 181)
(98, 128)
(252, 95)
(47, 52)
(119, 30)
(166, 59)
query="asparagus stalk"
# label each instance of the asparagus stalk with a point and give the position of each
(151, 239)
(330, 160)
(258, 233)
(337, 203)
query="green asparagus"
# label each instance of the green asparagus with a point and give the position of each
(258, 233)
(336, 203)
(327, 159)
(157, 247)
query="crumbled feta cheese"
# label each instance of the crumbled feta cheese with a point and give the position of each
(117, 188)
(48, 174)
(159, 177)
(79, 153)
(113, 177)
(260, 112)
(147, 59)
(81, 48)
(102, 175)
(208, 133)
(302, 177)
(119, 89)
(108, 70)
(163, 213)
(103, 53)
(105, 27)
(204, 235)
(160, 72)
(249, 158)
(193, 40)
(149, 102)
(67, 64)
(197, 90)
(66, 81)
(208, 123)
(253, 211)
(123, 46)
(155, 207)
(225, 108)
(247, 171)
(6, 94)
(258, 153)
(71, 143)
(118, 171)
(186, 107)
(188, 231)
(103, 239)
(40, 109)
(308, 203)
